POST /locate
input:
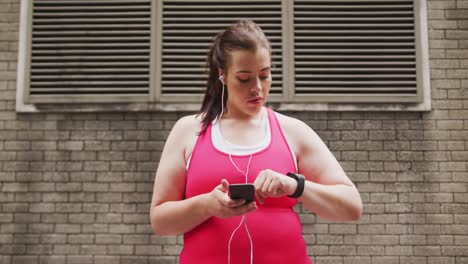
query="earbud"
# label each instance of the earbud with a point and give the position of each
(221, 78)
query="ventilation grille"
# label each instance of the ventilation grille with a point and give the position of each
(90, 47)
(188, 29)
(357, 48)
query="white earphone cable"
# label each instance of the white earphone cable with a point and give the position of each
(246, 173)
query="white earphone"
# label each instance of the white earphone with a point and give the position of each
(221, 78)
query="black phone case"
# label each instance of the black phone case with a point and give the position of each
(244, 191)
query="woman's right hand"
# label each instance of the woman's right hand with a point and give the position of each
(223, 206)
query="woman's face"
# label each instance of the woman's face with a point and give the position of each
(248, 81)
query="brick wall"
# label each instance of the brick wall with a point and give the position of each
(75, 188)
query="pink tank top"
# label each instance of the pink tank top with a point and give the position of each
(274, 227)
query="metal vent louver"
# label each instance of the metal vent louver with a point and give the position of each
(95, 47)
(188, 28)
(355, 48)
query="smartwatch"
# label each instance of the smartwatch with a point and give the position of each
(300, 184)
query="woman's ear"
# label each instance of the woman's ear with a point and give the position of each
(221, 76)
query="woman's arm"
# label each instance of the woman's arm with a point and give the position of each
(328, 191)
(170, 214)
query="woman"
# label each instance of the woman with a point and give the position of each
(235, 139)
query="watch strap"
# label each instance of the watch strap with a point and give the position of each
(300, 184)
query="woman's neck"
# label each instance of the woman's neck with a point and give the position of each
(243, 117)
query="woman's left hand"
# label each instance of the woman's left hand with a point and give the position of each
(273, 184)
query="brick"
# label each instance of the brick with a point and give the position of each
(411, 197)
(17, 145)
(399, 250)
(427, 208)
(454, 250)
(27, 197)
(451, 145)
(110, 176)
(148, 250)
(80, 239)
(354, 135)
(110, 155)
(124, 145)
(39, 249)
(371, 250)
(121, 229)
(81, 218)
(122, 187)
(440, 240)
(54, 218)
(67, 228)
(30, 135)
(96, 145)
(109, 135)
(108, 197)
(96, 125)
(444, 64)
(460, 197)
(79, 260)
(69, 166)
(135, 218)
(136, 239)
(413, 239)
(382, 135)
(441, 260)
(439, 219)
(120, 249)
(151, 125)
(108, 239)
(95, 208)
(134, 260)
(95, 228)
(123, 125)
(443, 43)
(109, 218)
(439, 197)
(355, 155)
(93, 250)
(136, 197)
(68, 187)
(427, 229)
(52, 259)
(83, 155)
(24, 259)
(413, 260)
(70, 145)
(21, 218)
(106, 259)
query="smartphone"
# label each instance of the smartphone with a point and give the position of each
(244, 191)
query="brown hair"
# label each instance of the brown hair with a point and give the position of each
(242, 35)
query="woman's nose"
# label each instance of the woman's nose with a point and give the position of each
(258, 85)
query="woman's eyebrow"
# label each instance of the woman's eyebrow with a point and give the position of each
(264, 69)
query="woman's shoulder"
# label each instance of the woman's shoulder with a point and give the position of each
(187, 123)
(297, 132)
(289, 123)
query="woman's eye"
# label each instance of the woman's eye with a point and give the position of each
(243, 80)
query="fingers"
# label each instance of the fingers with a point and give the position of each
(224, 185)
(244, 209)
(269, 184)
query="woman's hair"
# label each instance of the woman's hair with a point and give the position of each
(242, 35)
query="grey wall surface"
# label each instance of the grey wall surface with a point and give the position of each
(76, 188)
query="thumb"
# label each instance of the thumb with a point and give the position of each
(224, 185)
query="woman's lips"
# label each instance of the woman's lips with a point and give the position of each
(256, 100)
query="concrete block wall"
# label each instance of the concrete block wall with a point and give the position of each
(76, 188)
